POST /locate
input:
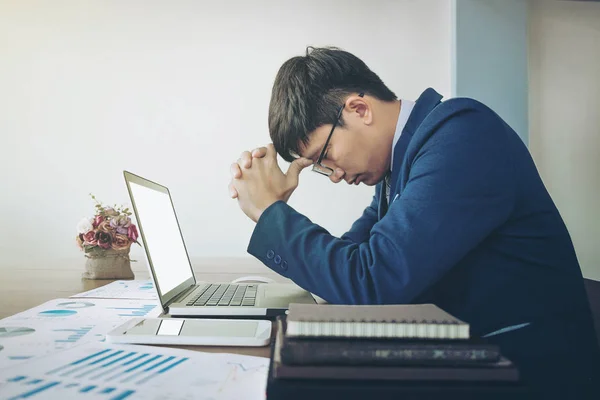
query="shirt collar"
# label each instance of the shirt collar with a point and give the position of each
(406, 107)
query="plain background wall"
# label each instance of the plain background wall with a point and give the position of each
(175, 91)
(489, 60)
(565, 116)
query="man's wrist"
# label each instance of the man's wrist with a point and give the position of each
(261, 210)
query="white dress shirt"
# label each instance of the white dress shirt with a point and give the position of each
(406, 107)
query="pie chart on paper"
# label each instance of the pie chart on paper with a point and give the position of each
(75, 304)
(57, 313)
(15, 331)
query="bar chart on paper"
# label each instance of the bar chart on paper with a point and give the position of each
(107, 373)
(97, 371)
(24, 343)
(72, 335)
(45, 388)
(133, 311)
(61, 323)
(136, 289)
(88, 310)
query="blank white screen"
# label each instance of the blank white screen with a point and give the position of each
(162, 238)
(170, 327)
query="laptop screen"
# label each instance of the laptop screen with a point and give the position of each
(161, 235)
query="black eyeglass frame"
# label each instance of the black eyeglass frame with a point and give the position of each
(318, 167)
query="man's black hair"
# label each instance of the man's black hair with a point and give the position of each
(309, 90)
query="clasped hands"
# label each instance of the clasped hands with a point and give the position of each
(257, 181)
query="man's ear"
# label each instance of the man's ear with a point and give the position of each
(359, 107)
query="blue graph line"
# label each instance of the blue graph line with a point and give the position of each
(116, 353)
(119, 359)
(55, 384)
(100, 367)
(159, 364)
(161, 371)
(35, 391)
(92, 363)
(89, 357)
(77, 362)
(142, 364)
(79, 333)
(111, 363)
(124, 365)
(88, 389)
(135, 359)
(124, 395)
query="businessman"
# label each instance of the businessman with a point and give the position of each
(460, 217)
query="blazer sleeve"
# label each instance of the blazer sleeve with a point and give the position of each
(459, 189)
(359, 232)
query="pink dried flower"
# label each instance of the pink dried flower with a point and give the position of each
(132, 233)
(105, 227)
(89, 239)
(120, 242)
(121, 224)
(97, 221)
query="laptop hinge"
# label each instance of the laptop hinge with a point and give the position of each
(181, 295)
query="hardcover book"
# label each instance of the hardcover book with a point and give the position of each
(501, 370)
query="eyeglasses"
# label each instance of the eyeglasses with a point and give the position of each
(318, 167)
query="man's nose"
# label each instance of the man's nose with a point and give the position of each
(337, 175)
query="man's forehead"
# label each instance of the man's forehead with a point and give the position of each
(312, 148)
(309, 150)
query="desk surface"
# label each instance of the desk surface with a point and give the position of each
(23, 286)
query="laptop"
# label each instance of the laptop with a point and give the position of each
(179, 292)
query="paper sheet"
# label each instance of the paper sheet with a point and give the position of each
(138, 289)
(99, 370)
(61, 323)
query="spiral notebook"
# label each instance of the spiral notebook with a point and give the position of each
(414, 321)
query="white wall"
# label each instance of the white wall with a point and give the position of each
(565, 116)
(175, 91)
(490, 57)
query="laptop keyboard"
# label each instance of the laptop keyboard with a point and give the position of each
(224, 294)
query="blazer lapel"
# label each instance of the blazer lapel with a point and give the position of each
(428, 100)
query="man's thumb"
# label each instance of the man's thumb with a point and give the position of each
(297, 166)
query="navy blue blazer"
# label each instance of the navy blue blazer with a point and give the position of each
(470, 227)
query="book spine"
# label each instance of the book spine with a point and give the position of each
(312, 353)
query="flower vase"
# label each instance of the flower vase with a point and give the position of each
(108, 264)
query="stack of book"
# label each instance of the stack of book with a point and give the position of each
(391, 350)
